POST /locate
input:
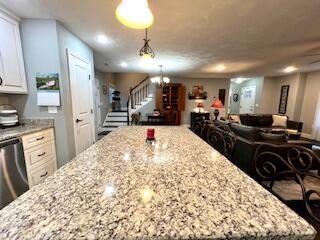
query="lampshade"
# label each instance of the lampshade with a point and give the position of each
(166, 80)
(200, 105)
(146, 57)
(217, 103)
(135, 14)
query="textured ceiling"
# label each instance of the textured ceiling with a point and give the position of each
(190, 37)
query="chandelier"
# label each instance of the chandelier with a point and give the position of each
(160, 81)
(146, 51)
(134, 14)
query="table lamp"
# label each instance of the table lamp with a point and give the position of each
(200, 106)
(216, 104)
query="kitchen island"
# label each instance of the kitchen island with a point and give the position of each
(122, 187)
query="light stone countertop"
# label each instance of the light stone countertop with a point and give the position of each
(26, 127)
(123, 188)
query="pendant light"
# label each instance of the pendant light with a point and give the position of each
(146, 51)
(134, 14)
(160, 81)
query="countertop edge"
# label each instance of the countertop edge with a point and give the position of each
(24, 129)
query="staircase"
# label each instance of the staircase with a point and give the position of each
(139, 97)
(115, 119)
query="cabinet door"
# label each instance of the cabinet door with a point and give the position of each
(159, 97)
(40, 174)
(12, 70)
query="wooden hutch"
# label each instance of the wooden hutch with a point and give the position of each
(170, 101)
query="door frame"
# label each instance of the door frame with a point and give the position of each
(254, 100)
(98, 104)
(110, 95)
(74, 116)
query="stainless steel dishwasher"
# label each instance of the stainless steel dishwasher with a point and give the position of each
(13, 174)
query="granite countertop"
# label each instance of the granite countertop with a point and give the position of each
(26, 126)
(121, 188)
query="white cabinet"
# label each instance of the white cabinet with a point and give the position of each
(40, 155)
(12, 72)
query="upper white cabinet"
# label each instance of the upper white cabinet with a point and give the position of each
(12, 72)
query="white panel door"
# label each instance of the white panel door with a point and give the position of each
(82, 102)
(12, 73)
(247, 100)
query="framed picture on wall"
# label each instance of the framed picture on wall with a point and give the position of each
(197, 93)
(284, 99)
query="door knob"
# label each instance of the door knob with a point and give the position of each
(79, 120)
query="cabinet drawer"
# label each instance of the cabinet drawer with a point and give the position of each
(37, 156)
(40, 174)
(35, 139)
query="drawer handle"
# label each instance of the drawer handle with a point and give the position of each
(40, 138)
(43, 175)
(42, 154)
(1, 81)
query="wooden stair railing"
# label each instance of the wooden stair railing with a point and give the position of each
(136, 95)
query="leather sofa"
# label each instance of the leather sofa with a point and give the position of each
(264, 122)
(247, 141)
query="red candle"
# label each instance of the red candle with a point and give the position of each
(150, 133)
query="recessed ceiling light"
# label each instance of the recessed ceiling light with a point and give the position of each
(239, 80)
(124, 64)
(220, 68)
(102, 39)
(290, 69)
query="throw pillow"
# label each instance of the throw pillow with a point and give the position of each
(279, 121)
(292, 131)
(235, 118)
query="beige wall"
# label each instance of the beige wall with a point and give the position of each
(123, 82)
(309, 104)
(293, 82)
(3, 99)
(268, 104)
(299, 97)
(105, 79)
(211, 86)
(271, 95)
(303, 95)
